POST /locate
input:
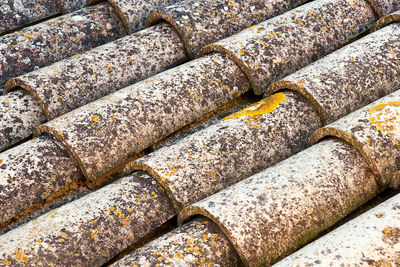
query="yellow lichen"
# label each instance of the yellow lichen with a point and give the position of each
(6, 262)
(94, 233)
(178, 255)
(386, 118)
(95, 118)
(20, 256)
(63, 234)
(205, 237)
(266, 105)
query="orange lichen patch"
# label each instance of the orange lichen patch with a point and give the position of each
(63, 234)
(53, 197)
(95, 118)
(20, 256)
(387, 118)
(178, 255)
(126, 222)
(94, 233)
(174, 170)
(6, 262)
(205, 237)
(391, 235)
(266, 105)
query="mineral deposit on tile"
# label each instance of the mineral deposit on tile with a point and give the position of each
(351, 77)
(203, 22)
(372, 239)
(104, 133)
(274, 212)
(91, 230)
(50, 41)
(283, 44)
(375, 131)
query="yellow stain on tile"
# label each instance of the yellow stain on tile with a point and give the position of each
(6, 262)
(63, 234)
(386, 118)
(20, 256)
(94, 233)
(95, 118)
(178, 255)
(266, 105)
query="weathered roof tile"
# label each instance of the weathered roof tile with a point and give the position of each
(257, 220)
(283, 44)
(201, 22)
(52, 40)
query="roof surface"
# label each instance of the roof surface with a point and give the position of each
(124, 139)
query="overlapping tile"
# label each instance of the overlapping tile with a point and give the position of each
(372, 239)
(351, 77)
(132, 12)
(203, 22)
(374, 130)
(272, 49)
(52, 40)
(273, 212)
(92, 229)
(17, 14)
(79, 80)
(336, 150)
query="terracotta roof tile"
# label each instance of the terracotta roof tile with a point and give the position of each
(251, 211)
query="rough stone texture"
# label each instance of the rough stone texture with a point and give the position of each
(375, 131)
(19, 116)
(203, 122)
(274, 212)
(67, 194)
(133, 13)
(76, 81)
(203, 22)
(50, 41)
(372, 239)
(198, 243)
(351, 77)
(72, 5)
(104, 133)
(17, 13)
(92, 229)
(240, 145)
(386, 20)
(30, 172)
(384, 7)
(283, 44)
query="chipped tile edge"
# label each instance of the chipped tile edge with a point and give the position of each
(385, 21)
(291, 86)
(156, 17)
(15, 83)
(121, 15)
(216, 48)
(191, 212)
(348, 138)
(45, 129)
